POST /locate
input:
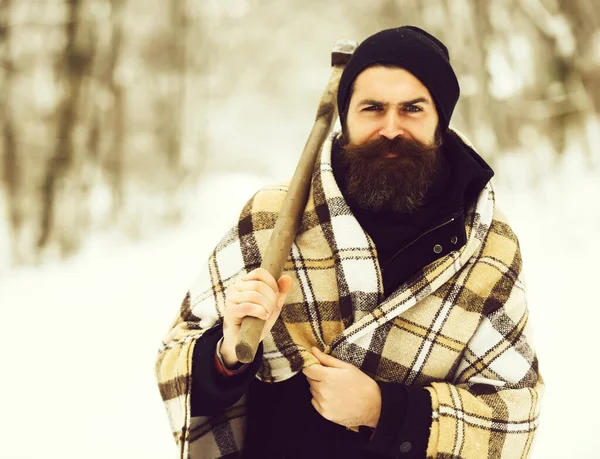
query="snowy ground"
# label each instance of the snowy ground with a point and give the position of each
(558, 227)
(80, 338)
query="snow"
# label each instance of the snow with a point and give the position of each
(80, 337)
(557, 225)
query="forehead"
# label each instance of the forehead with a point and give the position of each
(391, 85)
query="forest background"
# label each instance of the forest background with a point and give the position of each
(131, 132)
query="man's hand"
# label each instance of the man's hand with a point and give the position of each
(342, 393)
(255, 294)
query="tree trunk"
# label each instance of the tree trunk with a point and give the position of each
(584, 18)
(74, 64)
(10, 161)
(484, 112)
(115, 157)
(179, 29)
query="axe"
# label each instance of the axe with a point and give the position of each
(288, 220)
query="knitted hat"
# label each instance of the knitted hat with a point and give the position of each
(414, 50)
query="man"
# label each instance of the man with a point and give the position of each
(399, 328)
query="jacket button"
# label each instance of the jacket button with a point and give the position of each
(437, 248)
(454, 240)
(405, 446)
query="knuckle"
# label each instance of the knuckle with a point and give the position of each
(267, 277)
(258, 273)
(243, 309)
(251, 309)
(263, 272)
(267, 290)
(260, 288)
(256, 298)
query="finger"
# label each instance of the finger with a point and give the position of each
(249, 309)
(254, 298)
(285, 284)
(258, 287)
(314, 372)
(261, 274)
(328, 360)
(309, 372)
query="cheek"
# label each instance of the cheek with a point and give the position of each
(424, 131)
(361, 132)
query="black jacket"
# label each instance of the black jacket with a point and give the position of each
(405, 244)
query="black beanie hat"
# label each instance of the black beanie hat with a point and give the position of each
(414, 50)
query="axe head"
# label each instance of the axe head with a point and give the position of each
(342, 52)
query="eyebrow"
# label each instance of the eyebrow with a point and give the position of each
(408, 102)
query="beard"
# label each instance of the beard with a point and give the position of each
(394, 174)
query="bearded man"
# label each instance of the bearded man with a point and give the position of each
(399, 327)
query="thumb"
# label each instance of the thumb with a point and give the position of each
(285, 286)
(328, 360)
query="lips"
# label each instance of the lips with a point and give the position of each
(390, 155)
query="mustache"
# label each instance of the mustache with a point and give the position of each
(400, 146)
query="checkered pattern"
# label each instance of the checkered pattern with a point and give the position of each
(457, 328)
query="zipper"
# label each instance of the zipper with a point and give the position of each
(419, 238)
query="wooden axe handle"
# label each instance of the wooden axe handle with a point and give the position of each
(288, 221)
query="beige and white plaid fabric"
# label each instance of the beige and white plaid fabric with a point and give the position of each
(457, 328)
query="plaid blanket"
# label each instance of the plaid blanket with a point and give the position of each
(458, 327)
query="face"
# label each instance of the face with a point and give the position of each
(390, 102)
(391, 152)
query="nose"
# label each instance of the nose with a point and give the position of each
(392, 126)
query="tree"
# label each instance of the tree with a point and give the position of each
(11, 176)
(60, 172)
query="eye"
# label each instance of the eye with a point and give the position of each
(372, 108)
(412, 108)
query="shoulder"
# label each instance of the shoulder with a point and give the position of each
(501, 225)
(268, 199)
(501, 246)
